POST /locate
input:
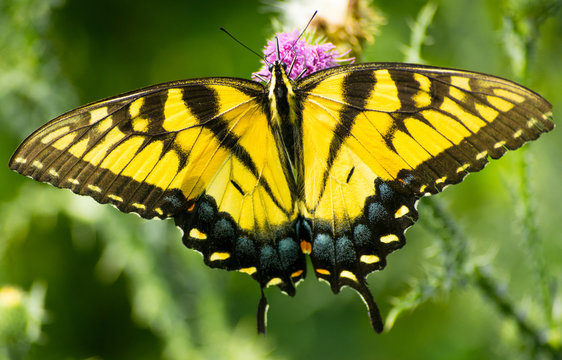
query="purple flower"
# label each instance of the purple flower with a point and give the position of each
(311, 58)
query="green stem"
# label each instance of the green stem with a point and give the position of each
(454, 244)
(412, 52)
(521, 31)
(531, 238)
(490, 286)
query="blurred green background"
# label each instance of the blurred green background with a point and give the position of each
(479, 278)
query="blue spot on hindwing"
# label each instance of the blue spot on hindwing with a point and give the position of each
(323, 248)
(345, 252)
(289, 252)
(245, 250)
(269, 261)
(223, 230)
(205, 212)
(377, 213)
(385, 192)
(362, 235)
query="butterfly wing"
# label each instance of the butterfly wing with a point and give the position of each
(376, 137)
(200, 151)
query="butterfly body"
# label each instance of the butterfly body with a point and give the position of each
(260, 176)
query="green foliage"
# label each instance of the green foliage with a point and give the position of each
(21, 316)
(479, 277)
(540, 336)
(418, 37)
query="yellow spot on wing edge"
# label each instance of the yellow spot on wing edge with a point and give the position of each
(274, 281)
(532, 122)
(216, 256)
(462, 168)
(369, 259)
(94, 188)
(37, 164)
(53, 172)
(139, 206)
(403, 210)
(481, 155)
(389, 238)
(115, 197)
(323, 271)
(249, 270)
(20, 160)
(499, 144)
(196, 234)
(348, 275)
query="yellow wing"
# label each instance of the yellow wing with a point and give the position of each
(376, 137)
(200, 151)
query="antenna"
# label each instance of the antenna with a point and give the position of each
(306, 27)
(244, 45)
(277, 48)
(295, 42)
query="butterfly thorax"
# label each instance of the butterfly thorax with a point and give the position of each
(284, 119)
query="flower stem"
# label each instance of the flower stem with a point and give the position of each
(485, 281)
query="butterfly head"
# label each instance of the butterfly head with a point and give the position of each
(278, 70)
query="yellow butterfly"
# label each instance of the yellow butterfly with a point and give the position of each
(258, 176)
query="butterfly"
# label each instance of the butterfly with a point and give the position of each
(260, 175)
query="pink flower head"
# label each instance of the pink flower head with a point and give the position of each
(311, 58)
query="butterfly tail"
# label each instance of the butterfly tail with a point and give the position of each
(374, 313)
(262, 313)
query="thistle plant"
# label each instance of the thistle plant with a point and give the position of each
(307, 58)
